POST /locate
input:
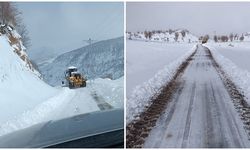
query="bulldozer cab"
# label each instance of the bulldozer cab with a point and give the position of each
(70, 70)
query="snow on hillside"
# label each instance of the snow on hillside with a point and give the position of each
(234, 59)
(150, 65)
(103, 59)
(164, 36)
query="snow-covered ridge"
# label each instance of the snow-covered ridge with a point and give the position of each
(142, 94)
(164, 36)
(239, 76)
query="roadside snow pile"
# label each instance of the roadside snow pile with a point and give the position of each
(239, 76)
(112, 91)
(142, 94)
(40, 113)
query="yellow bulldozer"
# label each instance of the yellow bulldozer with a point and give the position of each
(74, 78)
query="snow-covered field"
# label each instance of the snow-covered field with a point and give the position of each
(150, 65)
(234, 59)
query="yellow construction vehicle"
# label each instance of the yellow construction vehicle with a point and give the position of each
(74, 78)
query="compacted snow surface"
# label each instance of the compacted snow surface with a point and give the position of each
(25, 99)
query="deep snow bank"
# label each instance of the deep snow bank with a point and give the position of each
(142, 94)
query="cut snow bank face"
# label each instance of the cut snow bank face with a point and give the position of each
(241, 77)
(142, 94)
(20, 87)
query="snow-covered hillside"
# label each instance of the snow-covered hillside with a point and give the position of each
(19, 84)
(164, 36)
(103, 59)
(25, 99)
(147, 75)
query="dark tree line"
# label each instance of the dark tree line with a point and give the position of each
(226, 38)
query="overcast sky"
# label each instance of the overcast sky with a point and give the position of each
(65, 25)
(198, 17)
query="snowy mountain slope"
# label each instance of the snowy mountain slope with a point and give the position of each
(42, 54)
(19, 84)
(164, 36)
(103, 59)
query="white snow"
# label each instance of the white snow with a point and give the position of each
(111, 90)
(150, 65)
(20, 88)
(234, 59)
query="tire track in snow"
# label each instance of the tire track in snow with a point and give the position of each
(170, 113)
(188, 120)
(101, 103)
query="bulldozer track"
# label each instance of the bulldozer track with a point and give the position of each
(139, 129)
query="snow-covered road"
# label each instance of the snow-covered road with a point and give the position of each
(201, 113)
(70, 102)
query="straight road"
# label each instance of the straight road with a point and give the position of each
(201, 113)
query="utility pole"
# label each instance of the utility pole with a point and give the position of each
(89, 41)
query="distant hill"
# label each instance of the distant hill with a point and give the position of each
(104, 59)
